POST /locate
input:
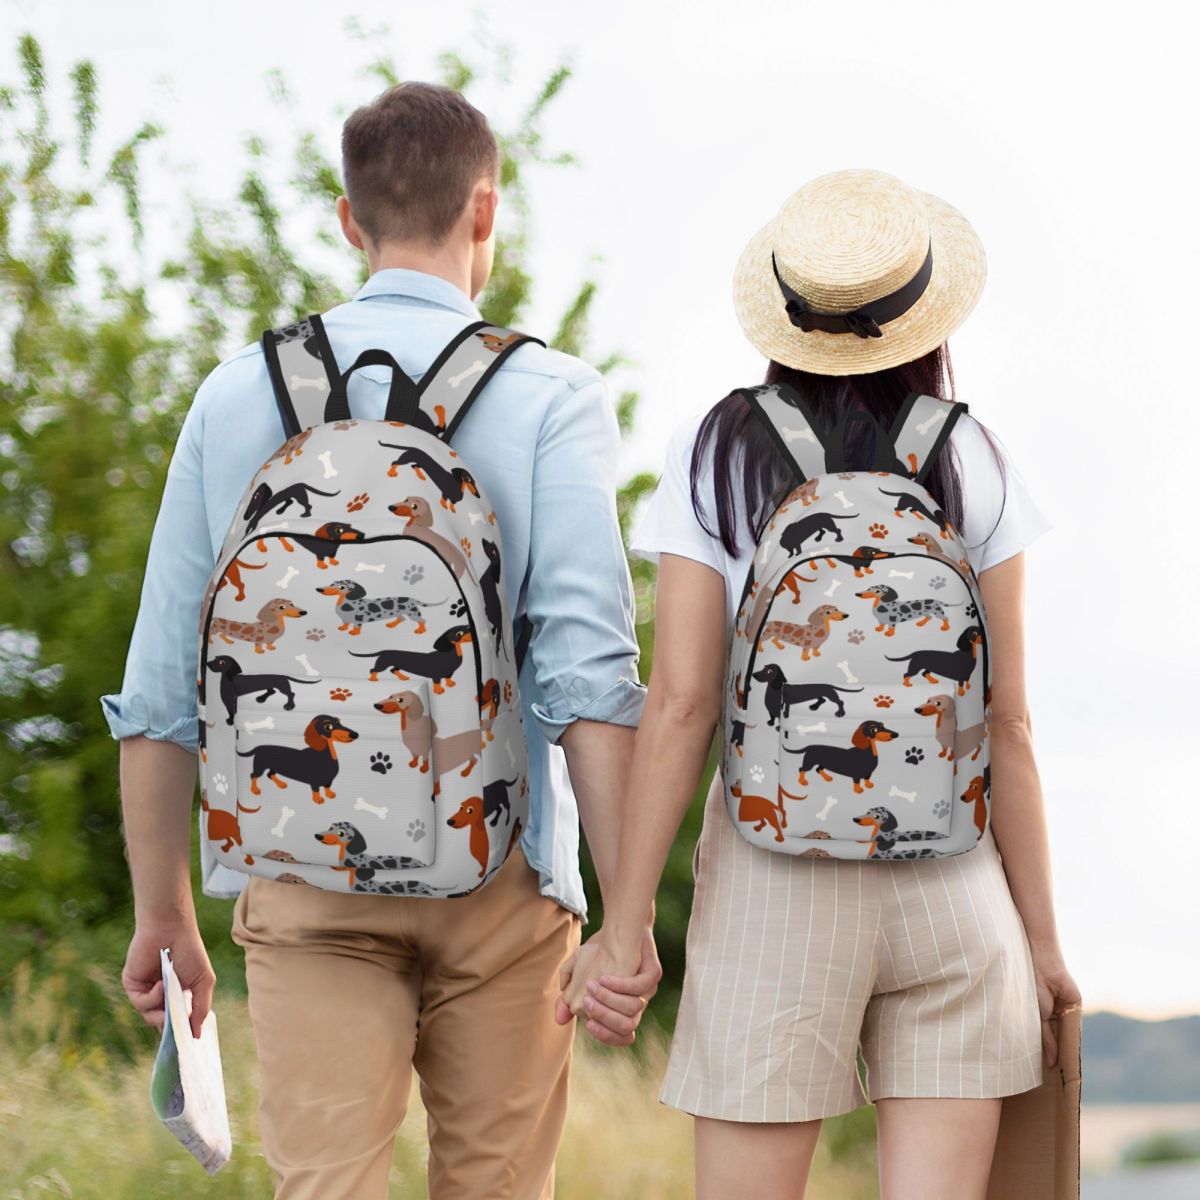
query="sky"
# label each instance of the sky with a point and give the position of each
(1061, 130)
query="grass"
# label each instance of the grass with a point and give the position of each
(75, 1122)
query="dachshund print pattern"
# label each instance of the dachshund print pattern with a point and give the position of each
(360, 724)
(856, 703)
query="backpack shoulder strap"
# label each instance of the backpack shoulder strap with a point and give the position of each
(303, 372)
(920, 430)
(462, 370)
(792, 426)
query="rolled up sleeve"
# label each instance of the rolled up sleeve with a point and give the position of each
(158, 691)
(579, 595)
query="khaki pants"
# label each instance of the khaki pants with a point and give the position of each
(349, 993)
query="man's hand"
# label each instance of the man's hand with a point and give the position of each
(142, 977)
(609, 989)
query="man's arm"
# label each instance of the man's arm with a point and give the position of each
(154, 716)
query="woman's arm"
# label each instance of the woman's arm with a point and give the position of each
(681, 711)
(1018, 816)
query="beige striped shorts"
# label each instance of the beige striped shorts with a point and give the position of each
(794, 965)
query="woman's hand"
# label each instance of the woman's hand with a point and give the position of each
(609, 987)
(1056, 992)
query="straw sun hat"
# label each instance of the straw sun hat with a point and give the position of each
(858, 272)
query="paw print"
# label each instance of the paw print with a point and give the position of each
(416, 830)
(971, 611)
(938, 582)
(381, 763)
(507, 692)
(340, 693)
(221, 784)
(757, 774)
(878, 530)
(846, 475)
(942, 808)
(344, 425)
(413, 574)
(914, 754)
(465, 543)
(315, 635)
(458, 608)
(855, 636)
(884, 701)
(358, 503)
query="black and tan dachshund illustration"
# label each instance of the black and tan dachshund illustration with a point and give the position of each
(489, 585)
(353, 857)
(907, 502)
(860, 559)
(222, 826)
(857, 762)
(977, 793)
(737, 736)
(958, 664)
(891, 611)
(450, 483)
(419, 525)
(317, 542)
(956, 744)
(356, 609)
(810, 638)
(761, 812)
(495, 800)
(263, 633)
(489, 699)
(815, 526)
(470, 816)
(931, 547)
(232, 575)
(495, 343)
(419, 733)
(437, 665)
(236, 683)
(314, 764)
(888, 840)
(781, 695)
(264, 502)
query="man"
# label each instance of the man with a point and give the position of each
(348, 993)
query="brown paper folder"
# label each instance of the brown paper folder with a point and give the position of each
(1037, 1151)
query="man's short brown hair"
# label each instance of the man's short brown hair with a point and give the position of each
(410, 159)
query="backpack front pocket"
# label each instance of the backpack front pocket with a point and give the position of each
(349, 790)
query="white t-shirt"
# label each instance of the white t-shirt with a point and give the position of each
(1000, 517)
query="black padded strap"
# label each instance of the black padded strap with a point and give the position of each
(461, 372)
(883, 457)
(920, 430)
(303, 372)
(402, 392)
(792, 426)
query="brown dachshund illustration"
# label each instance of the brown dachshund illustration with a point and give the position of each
(420, 526)
(419, 733)
(495, 343)
(857, 761)
(763, 812)
(222, 825)
(233, 575)
(977, 794)
(290, 449)
(762, 597)
(470, 816)
(955, 743)
(261, 634)
(315, 763)
(808, 637)
(930, 546)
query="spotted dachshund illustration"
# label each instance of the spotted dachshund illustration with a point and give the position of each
(437, 665)
(263, 633)
(315, 764)
(236, 683)
(264, 502)
(450, 483)
(781, 695)
(857, 762)
(353, 857)
(891, 611)
(356, 609)
(810, 638)
(888, 840)
(957, 664)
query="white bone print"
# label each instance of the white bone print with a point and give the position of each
(844, 667)
(325, 458)
(834, 584)
(933, 419)
(376, 567)
(819, 727)
(309, 669)
(286, 578)
(894, 574)
(476, 368)
(798, 435)
(380, 810)
(285, 815)
(317, 384)
(261, 723)
(830, 801)
(845, 500)
(911, 797)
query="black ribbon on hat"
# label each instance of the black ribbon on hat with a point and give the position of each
(865, 321)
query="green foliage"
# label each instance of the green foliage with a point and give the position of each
(1162, 1147)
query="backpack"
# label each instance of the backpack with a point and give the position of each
(360, 721)
(856, 702)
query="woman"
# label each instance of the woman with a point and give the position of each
(936, 970)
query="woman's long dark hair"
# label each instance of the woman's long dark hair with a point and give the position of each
(745, 460)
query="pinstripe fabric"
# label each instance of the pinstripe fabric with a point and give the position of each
(793, 964)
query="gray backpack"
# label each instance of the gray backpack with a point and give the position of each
(360, 723)
(857, 692)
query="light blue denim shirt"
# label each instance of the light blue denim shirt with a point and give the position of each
(542, 439)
